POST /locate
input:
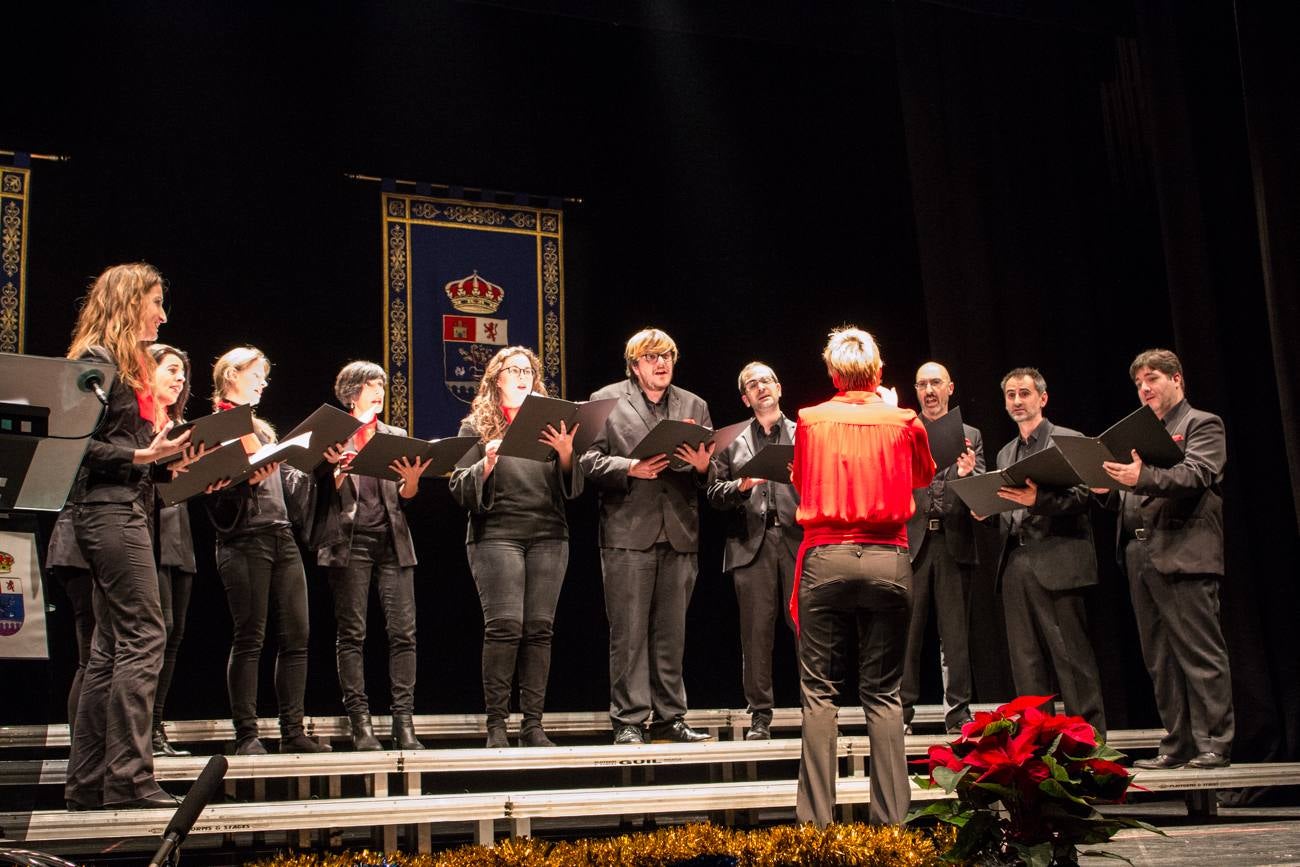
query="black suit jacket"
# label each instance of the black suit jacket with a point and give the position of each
(1182, 506)
(335, 514)
(1057, 531)
(958, 527)
(632, 511)
(747, 520)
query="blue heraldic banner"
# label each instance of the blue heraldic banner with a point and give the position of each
(462, 280)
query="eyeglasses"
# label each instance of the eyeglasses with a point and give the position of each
(518, 372)
(754, 383)
(656, 357)
(921, 384)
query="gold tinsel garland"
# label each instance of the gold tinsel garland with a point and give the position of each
(848, 845)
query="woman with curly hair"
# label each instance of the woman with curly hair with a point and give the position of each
(518, 542)
(112, 501)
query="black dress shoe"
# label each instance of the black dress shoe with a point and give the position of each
(955, 728)
(160, 800)
(250, 747)
(759, 730)
(79, 806)
(1210, 760)
(677, 732)
(1162, 762)
(163, 747)
(629, 735)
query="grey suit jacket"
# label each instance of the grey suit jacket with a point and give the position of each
(1057, 532)
(747, 521)
(1182, 506)
(336, 511)
(632, 511)
(958, 526)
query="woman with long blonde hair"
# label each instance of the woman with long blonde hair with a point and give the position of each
(259, 564)
(112, 501)
(518, 542)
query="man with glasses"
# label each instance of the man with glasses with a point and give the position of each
(941, 542)
(649, 539)
(762, 539)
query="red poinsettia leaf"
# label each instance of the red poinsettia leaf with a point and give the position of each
(1018, 705)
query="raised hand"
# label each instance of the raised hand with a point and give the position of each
(648, 468)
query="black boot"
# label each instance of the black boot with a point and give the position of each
(496, 735)
(161, 746)
(534, 670)
(500, 647)
(404, 733)
(363, 733)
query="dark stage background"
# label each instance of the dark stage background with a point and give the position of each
(986, 183)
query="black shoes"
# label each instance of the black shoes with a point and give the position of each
(956, 727)
(161, 746)
(629, 735)
(300, 743)
(160, 800)
(1210, 760)
(676, 732)
(1162, 762)
(404, 733)
(496, 736)
(533, 735)
(363, 733)
(79, 806)
(759, 730)
(251, 746)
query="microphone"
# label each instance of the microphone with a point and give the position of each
(92, 380)
(188, 812)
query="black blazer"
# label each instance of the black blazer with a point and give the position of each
(1057, 531)
(175, 540)
(958, 526)
(336, 511)
(632, 510)
(108, 473)
(747, 522)
(1182, 506)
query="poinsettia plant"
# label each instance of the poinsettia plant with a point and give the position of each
(1025, 786)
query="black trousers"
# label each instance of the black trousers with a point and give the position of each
(938, 581)
(259, 570)
(843, 586)
(518, 588)
(112, 750)
(174, 588)
(1047, 637)
(1184, 650)
(646, 597)
(79, 585)
(373, 560)
(763, 589)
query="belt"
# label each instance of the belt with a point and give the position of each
(772, 519)
(934, 525)
(1142, 534)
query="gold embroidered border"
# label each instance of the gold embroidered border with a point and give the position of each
(14, 186)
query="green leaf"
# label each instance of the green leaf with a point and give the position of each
(949, 779)
(980, 832)
(935, 809)
(923, 782)
(1038, 855)
(1004, 793)
(1054, 789)
(1101, 853)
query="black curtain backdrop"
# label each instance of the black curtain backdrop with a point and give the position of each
(983, 183)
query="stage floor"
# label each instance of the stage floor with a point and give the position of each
(1237, 837)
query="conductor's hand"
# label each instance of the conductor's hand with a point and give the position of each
(698, 458)
(648, 468)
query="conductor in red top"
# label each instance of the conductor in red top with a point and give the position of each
(857, 458)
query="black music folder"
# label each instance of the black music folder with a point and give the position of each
(1086, 455)
(537, 412)
(383, 449)
(1048, 468)
(947, 438)
(665, 437)
(326, 426)
(725, 436)
(1140, 430)
(218, 428)
(771, 462)
(229, 461)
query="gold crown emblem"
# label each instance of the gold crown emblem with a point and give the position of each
(6, 562)
(473, 294)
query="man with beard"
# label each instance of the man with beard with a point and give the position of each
(1047, 562)
(649, 541)
(762, 538)
(941, 542)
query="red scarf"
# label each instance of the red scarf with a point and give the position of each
(365, 433)
(148, 406)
